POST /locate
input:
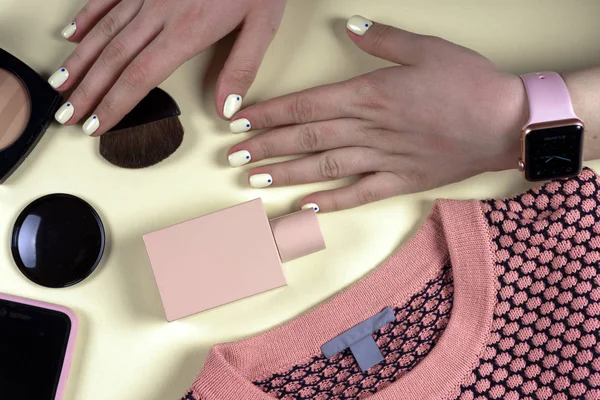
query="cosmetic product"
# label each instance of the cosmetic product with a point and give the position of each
(227, 255)
(58, 240)
(27, 105)
(149, 134)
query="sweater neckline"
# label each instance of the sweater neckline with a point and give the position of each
(454, 232)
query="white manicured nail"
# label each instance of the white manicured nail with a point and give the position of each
(58, 78)
(69, 30)
(64, 113)
(239, 158)
(240, 125)
(359, 25)
(260, 181)
(91, 125)
(311, 206)
(233, 104)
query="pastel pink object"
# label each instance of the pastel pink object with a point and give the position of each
(549, 98)
(66, 368)
(497, 299)
(297, 235)
(227, 256)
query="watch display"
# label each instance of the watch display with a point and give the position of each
(553, 152)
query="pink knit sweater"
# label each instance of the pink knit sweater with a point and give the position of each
(492, 300)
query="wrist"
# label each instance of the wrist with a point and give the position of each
(512, 114)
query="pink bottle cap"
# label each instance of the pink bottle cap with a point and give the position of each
(297, 235)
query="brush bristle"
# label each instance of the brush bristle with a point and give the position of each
(142, 146)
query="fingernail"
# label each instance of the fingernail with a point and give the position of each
(359, 25)
(311, 206)
(64, 113)
(91, 125)
(69, 30)
(239, 158)
(240, 125)
(233, 104)
(58, 78)
(260, 181)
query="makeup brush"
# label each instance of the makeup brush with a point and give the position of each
(149, 134)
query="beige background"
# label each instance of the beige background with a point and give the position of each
(126, 349)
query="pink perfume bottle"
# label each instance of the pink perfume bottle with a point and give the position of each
(227, 256)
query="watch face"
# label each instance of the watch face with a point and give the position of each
(553, 152)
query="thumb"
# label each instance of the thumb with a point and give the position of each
(392, 44)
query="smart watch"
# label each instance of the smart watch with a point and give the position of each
(552, 139)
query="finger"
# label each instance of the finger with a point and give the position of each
(148, 70)
(90, 48)
(299, 139)
(243, 63)
(87, 18)
(371, 188)
(317, 104)
(112, 62)
(327, 166)
(393, 44)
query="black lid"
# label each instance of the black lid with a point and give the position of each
(58, 240)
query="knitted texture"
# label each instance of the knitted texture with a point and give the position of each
(403, 342)
(189, 396)
(543, 340)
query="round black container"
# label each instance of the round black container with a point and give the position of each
(58, 240)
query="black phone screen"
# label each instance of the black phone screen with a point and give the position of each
(33, 344)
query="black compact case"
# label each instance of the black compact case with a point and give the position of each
(43, 102)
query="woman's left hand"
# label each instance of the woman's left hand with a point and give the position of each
(446, 114)
(128, 47)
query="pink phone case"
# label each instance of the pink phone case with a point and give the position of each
(64, 374)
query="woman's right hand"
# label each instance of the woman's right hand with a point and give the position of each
(444, 114)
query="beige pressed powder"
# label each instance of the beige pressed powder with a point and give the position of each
(14, 108)
(27, 105)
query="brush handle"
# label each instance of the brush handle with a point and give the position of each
(155, 106)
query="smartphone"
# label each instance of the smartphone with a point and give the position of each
(36, 347)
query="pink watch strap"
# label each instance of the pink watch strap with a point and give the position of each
(549, 98)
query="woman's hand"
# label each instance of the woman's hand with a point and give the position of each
(446, 114)
(128, 47)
